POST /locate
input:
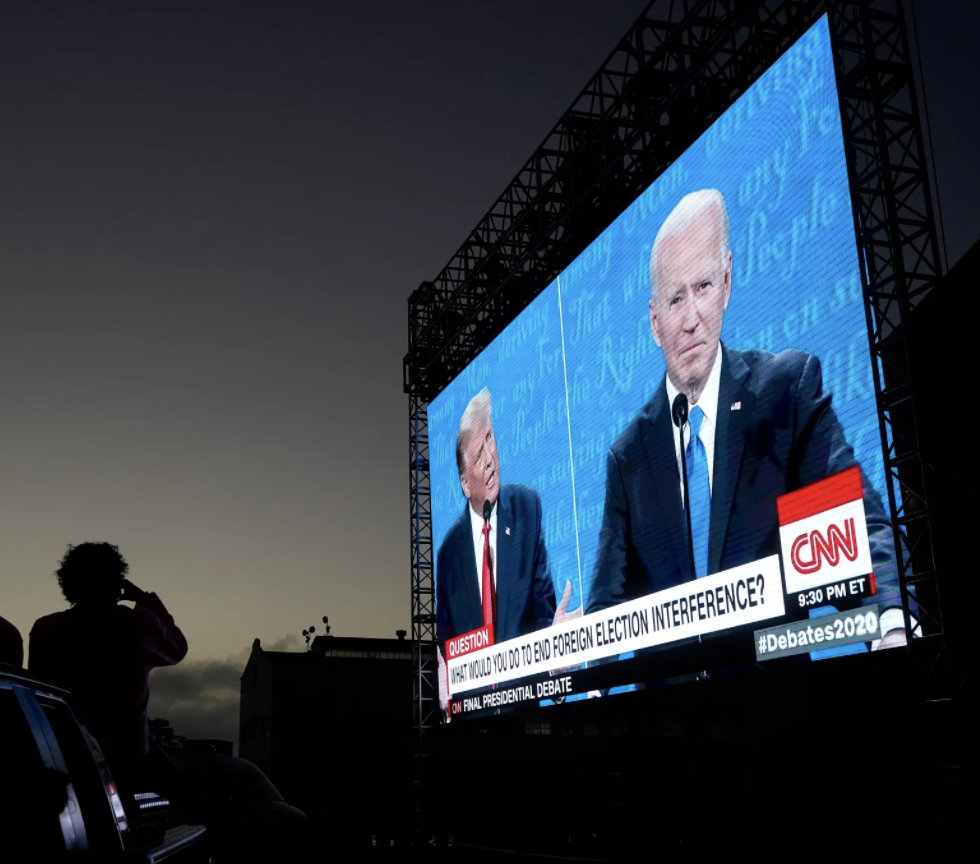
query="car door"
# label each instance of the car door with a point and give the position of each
(71, 819)
(38, 808)
(102, 826)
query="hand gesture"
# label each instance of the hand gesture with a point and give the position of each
(130, 591)
(892, 639)
(561, 615)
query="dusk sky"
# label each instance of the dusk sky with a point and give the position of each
(211, 217)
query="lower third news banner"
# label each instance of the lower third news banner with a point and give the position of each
(527, 690)
(800, 637)
(743, 595)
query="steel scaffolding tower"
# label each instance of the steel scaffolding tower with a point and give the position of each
(677, 69)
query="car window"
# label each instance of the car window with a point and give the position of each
(242, 787)
(100, 824)
(31, 796)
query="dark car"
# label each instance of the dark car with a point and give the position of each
(58, 801)
(241, 809)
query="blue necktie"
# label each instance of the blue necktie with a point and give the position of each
(699, 489)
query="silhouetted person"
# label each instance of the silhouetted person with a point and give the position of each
(103, 652)
(11, 644)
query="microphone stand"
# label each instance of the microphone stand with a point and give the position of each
(679, 413)
(487, 513)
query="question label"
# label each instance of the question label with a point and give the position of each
(743, 595)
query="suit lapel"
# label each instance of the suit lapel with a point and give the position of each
(662, 457)
(470, 590)
(729, 446)
(507, 562)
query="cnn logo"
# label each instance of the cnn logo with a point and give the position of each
(823, 532)
(812, 548)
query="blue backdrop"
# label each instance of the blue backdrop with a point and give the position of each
(524, 372)
(777, 156)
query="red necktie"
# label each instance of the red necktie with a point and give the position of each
(489, 590)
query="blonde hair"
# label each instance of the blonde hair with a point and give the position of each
(476, 412)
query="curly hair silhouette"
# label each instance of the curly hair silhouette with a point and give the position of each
(92, 573)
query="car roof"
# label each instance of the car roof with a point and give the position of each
(15, 675)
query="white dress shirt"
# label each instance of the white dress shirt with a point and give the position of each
(476, 522)
(708, 403)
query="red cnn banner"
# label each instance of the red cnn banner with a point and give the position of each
(823, 533)
(459, 646)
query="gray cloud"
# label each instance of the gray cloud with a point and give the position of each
(200, 697)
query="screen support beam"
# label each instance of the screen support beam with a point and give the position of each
(899, 250)
(425, 709)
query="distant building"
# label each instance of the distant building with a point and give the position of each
(331, 727)
(208, 745)
(163, 734)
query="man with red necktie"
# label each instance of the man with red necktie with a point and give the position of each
(492, 568)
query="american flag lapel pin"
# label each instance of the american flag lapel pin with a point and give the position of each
(736, 406)
(507, 530)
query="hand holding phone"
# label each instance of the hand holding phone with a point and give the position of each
(130, 591)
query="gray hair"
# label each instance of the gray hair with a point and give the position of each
(477, 411)
(688, 210)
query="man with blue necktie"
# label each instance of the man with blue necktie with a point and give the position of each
(760, 425)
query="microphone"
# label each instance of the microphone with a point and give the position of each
(487, 512)
(679, 412)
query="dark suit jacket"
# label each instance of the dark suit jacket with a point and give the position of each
(525, 593)
(785, 436)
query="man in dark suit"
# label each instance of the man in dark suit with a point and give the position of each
(492, 567)
(760, 425)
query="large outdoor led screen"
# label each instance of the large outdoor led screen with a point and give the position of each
(565, 537)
